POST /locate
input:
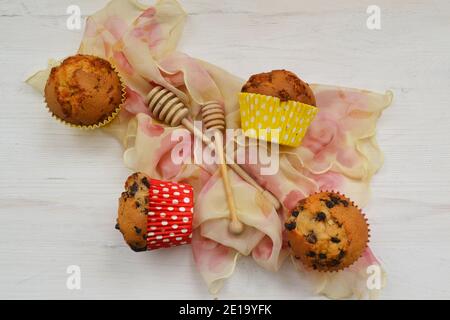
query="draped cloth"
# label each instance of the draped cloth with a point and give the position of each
(339, 152)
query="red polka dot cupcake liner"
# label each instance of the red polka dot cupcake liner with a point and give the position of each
(170, 212)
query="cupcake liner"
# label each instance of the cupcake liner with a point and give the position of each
(170, 212)
(267, 118)
(351, 202)
(102, 123)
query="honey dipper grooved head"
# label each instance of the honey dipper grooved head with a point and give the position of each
(213, 116)
(166, 106)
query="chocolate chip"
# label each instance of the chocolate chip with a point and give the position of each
(335, 200)
(334, 262)
(311, 254)
(322, 256)
(295, 213)
(335, 240)
(320, 264)
(133, 189)
(137, 205)
(311, 238)
(345, 203)
(138, 230)
(314, 266)
(138, 249)
(284, 95)
(117, 226)
(145, 182)
(290, 225)
(135, 176)
(329, 204)
(320, 216)
(341, 254)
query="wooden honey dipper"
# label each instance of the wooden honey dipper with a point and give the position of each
(214, 120)
(167, 107)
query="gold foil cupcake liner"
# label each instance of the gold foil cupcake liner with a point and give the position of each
(351, 202)
(268, 118)
(102, 123)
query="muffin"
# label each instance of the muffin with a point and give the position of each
(282, 84)
(155, 214)
(132, 213)
(84, 91)
(278, 107)
(327, 232)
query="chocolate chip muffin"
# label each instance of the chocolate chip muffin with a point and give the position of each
(155, 214)
(133, 209)
(327, 231)
(84, 91)
(282, 84)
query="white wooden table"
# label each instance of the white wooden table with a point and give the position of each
(59, 186)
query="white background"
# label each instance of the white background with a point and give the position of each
(58, 186)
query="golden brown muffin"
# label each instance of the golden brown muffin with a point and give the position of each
(327, 231)
(84, 90)
(282, 84)
(132, 213)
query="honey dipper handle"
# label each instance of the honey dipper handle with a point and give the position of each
(249, 179)
(235, 226)
(234, 166)
(196, 132)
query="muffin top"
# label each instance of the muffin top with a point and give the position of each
(84, 90)
(132, 213)
(327, 231)
(282, 84)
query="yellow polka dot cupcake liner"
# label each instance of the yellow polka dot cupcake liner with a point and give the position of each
(267, 118)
